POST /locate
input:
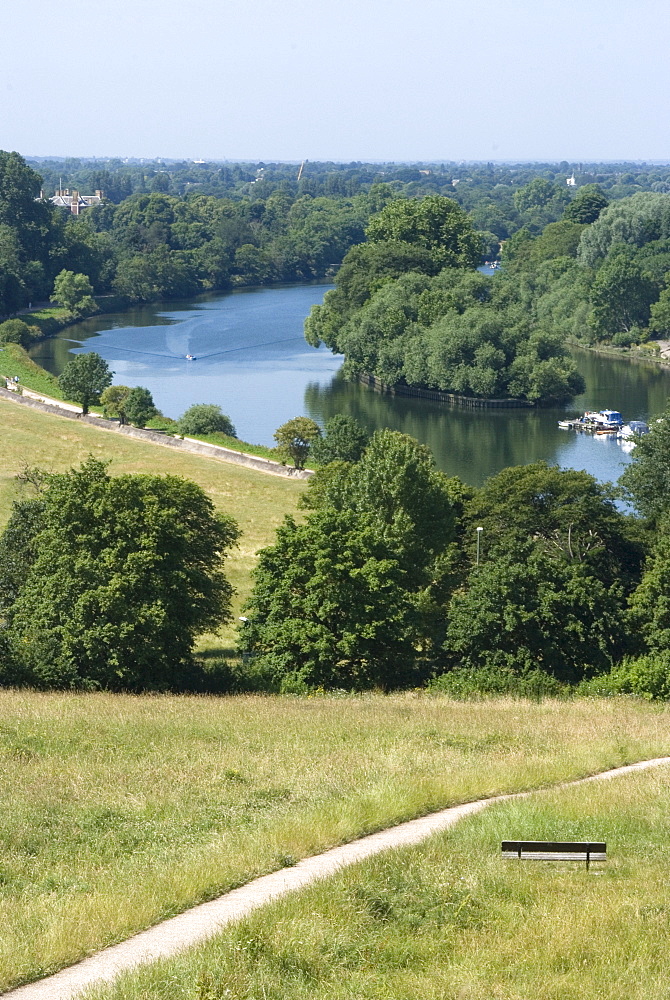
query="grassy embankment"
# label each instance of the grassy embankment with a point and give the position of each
(258, 501)
(452, 919)
(118, 811)
(14, 360)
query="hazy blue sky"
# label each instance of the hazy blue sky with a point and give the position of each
(343, 80)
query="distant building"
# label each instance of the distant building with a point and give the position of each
(571, 182)
(74, 201)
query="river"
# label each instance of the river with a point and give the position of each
(252, 360)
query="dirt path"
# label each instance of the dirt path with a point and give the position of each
(59, 409)
(201, 922)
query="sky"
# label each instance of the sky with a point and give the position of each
(399, 80)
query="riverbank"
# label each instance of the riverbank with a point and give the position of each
(60, 408)
(644, 354)
(450, 398)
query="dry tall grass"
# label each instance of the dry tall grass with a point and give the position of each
(451, 919)
(117, 811)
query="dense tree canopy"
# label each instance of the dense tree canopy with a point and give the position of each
(343, 440)
(647, 478)
(637, 220)
(106, 581)
(587, 205)
(457, 332)
(523, 612)
(346, 599)
(435, 224)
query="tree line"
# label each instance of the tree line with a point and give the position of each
(399, 576)
(175, 229)
(409, 308)
(395, 576)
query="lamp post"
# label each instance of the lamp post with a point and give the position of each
(479, 535)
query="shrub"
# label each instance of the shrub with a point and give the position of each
(15, 331)
(645, 676)
(205, 418)
(462, 683)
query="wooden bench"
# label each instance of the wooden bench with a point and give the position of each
(552, 850)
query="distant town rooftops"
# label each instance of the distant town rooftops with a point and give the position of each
(74, 200)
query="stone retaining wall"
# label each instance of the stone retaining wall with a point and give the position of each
(450, 398)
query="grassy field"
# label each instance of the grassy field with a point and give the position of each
(451, 919)
(258, 501)
(117, 811)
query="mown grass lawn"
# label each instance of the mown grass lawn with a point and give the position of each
(451, 919)
(257, 501)
(117, 811)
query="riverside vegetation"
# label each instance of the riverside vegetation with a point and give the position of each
(450, 918)
(377, 585)
(121, 810)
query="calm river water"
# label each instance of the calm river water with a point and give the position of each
(253, 361)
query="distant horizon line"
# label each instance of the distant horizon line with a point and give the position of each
(581, 162)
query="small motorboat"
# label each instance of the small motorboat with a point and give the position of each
(190, 357)
(633, 429)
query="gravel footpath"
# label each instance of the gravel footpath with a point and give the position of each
(201, 922)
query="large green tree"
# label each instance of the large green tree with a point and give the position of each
(587, 205)
(349, 597)
(85, 378)
(524, 611)
(650, 604)
(295, 438)
(74, 292)
(566, 513)
(621, 295)
(436, 224)
(329, 607)
(344, 440)
(557, 563)
(106, 581)
(139, 406)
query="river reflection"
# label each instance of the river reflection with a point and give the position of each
(476, 444)
(253, 361)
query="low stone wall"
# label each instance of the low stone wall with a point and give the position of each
(450, 398)
(165, 440)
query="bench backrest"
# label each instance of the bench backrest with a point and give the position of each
(550, 850)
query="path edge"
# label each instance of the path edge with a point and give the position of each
(201, 922)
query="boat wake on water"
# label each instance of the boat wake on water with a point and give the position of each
(203, 357)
